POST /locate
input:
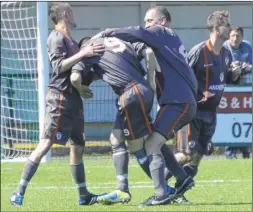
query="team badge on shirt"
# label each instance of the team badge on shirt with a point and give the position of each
(226, 60)
(58, 136)
(221, 76)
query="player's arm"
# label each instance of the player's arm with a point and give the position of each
(250, 58)
(193, 57)
(76, 80)
(98, 35)
(234, 71)
(57, 52)
(148, 36)
(152, 66)
(247, 67)
(146, 53)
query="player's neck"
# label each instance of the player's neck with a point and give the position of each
(216, 44)
(63, 28)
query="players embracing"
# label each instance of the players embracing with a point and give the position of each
(213, 68)
(178, 106)
(119, 66)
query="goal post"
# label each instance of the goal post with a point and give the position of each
(42, 65)
(24, 77)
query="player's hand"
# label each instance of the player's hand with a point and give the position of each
(92, 50)
(236, 71)
(234, 66)
(206, 95)
(236, 63)
(245, 66)
(85, 92)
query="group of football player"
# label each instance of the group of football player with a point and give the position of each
(188, 88)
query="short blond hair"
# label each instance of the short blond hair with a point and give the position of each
(55, 11)
(216, 18)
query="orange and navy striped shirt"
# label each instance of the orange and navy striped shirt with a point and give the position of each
(212, 73)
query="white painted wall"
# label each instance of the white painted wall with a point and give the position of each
(188, 18)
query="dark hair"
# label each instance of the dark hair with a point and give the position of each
(163, 11)
(237, 29)
(83, 41)
(55, 11)
(216, 18)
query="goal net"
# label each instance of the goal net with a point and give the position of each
(19, 77)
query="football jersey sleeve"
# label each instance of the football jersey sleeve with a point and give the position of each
(136, 34)
(193, 56)
(57, 51)
(139, 48)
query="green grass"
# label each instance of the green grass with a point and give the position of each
(221, 185)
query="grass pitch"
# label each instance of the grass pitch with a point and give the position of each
(221, 185)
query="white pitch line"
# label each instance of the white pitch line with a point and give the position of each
(93, 187)
(224, 181)
(171, 182)
(197, 181)
(108, 185)
(89, 166)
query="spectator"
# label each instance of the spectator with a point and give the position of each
(241, 51)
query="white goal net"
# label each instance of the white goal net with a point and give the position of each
(19, 79)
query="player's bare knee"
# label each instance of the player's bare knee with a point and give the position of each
(154, 143)
(117, 137)
(77, 150)
(117, 140)
(41, 150)
(76, 154)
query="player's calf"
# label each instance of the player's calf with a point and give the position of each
(120, 159)
(156, 162)
(78, 173)
(182, 186)
(30, 169)
(182, 158)
(191, 169)
(137, 148)
(142, 160)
